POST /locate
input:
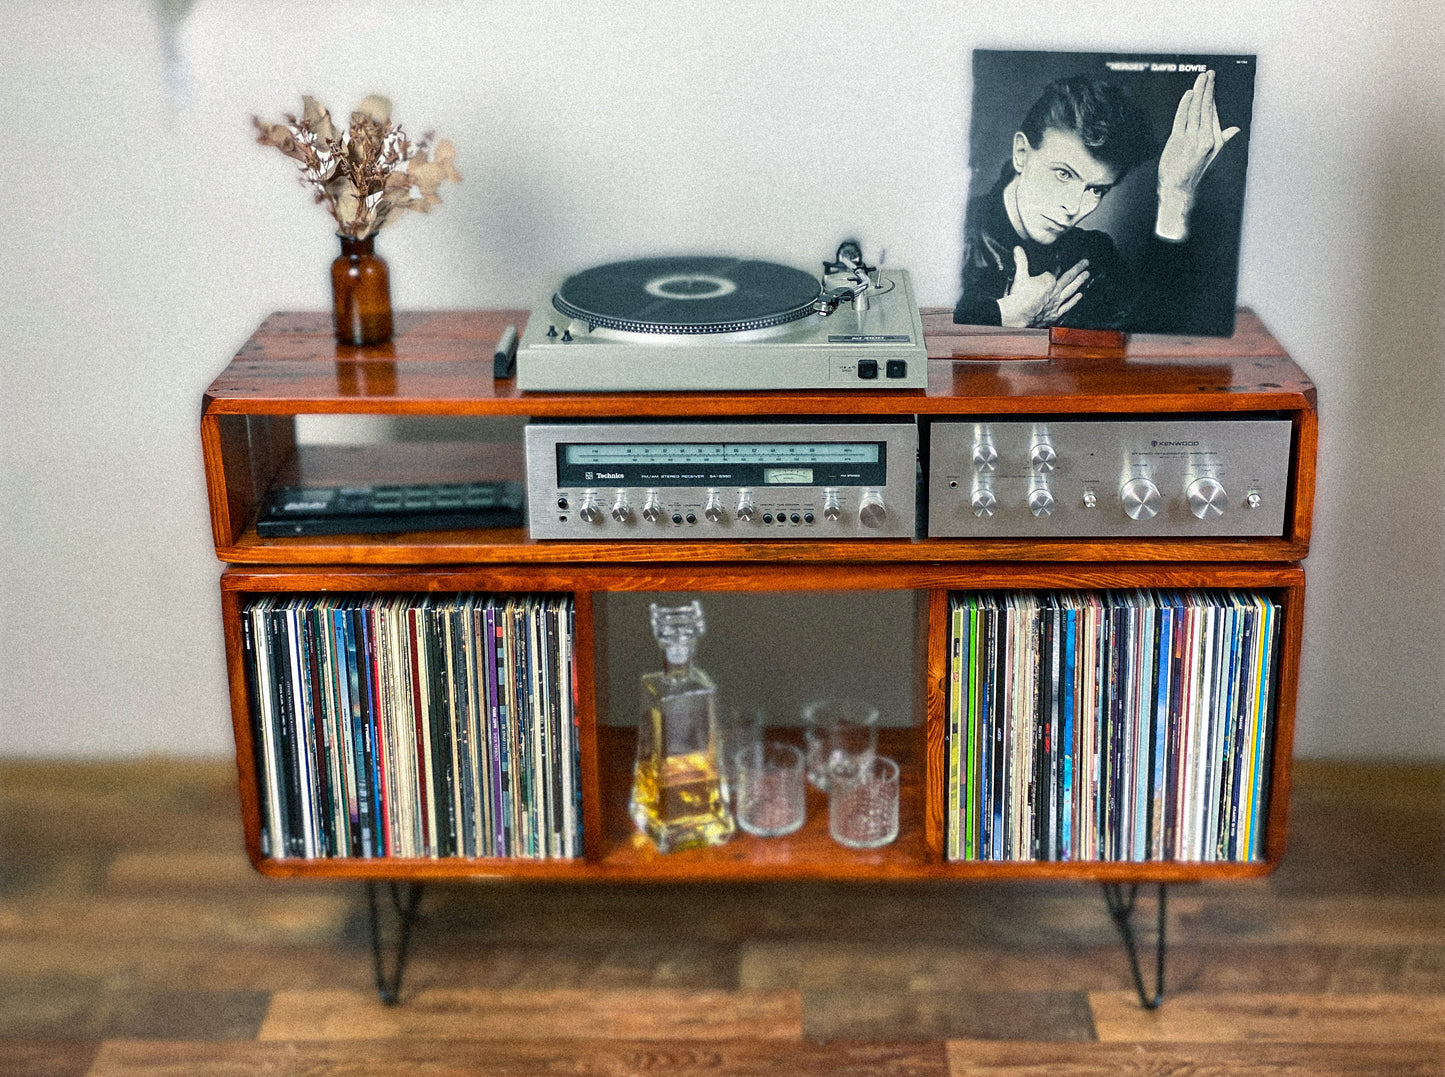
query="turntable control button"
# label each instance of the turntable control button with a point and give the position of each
(897, 368)
(867, 369)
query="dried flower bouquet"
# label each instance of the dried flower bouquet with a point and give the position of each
(365, 173)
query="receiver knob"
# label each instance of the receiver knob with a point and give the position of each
(590, 511)
(621, 510)
(713, 510)
(831, 511)
(1042, 457)
(1207, 498)
(871, 510)
(985, 456)
(1041, 501)
(984, 503)
(746, 509)
(1141, 499)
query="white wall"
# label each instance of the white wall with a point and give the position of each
(146, 235)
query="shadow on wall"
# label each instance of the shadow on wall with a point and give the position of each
(1386, 599)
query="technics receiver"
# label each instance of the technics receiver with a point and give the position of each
(1161, 477)
(740, 480)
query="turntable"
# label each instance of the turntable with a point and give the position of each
(691, 323)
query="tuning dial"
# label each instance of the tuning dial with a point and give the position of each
(746, 509)
(651, 509)
(713, 510)
(831, 511)
(983, 502)
(871, 510)
(1041, 501)
(1042, 457)
(1207, 498)
(985, 456)
(621, 510)
(1141, 499)
(590, 510)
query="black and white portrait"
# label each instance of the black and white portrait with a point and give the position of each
(1106, 191)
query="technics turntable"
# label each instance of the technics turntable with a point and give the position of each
(681, 323)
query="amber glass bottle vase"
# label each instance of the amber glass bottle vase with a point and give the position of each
(361, 291)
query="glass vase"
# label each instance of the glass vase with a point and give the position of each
(361, 293)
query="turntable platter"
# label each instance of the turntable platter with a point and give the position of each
(687, 295)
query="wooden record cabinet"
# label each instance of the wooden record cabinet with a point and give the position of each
(440, 365)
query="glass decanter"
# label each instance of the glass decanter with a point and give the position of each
(678, 797)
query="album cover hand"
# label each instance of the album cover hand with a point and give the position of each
(1035, 301)
(1194, 142)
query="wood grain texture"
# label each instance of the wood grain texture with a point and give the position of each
(637, 1013)
(746, 1057)
(1194, 1060)
(126, 948)
(1281, 1017)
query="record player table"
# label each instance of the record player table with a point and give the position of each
(440, 365)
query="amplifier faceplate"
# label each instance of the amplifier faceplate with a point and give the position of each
(709, 481)
(1146, 478)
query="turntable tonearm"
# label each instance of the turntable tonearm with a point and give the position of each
(696, 323)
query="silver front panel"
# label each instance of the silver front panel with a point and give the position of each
(848, 349)
(710, 481)
(1109, 478)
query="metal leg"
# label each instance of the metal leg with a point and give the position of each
(1121, 908)
(388, 982)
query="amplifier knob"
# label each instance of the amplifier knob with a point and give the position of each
(983, 502)
(1042, 457)
(1253, 500)
(713, 510)
(590, 510)
(1141, 499)
(1207, 498)
(651, 510)
(746, 509)
(1041, 501)
(621, 510)
(985, 456)
(831, 511)
(871, 510)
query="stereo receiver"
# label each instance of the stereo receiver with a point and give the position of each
(702, 481)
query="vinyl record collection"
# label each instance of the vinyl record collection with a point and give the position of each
(1125, 726)
(414, 725)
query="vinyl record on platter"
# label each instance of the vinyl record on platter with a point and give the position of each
(688, 295)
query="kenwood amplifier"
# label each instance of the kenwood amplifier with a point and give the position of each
(1166, 476)
(701, 481)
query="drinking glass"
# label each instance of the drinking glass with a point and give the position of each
(863, 804)
(840, 735)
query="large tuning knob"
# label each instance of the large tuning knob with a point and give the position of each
(871, 510)
(1207, 498)
(1141, 499)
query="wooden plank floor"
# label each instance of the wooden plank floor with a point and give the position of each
(135, 939)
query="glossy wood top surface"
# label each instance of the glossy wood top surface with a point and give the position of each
(441, 363)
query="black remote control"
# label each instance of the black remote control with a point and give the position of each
(370, 510)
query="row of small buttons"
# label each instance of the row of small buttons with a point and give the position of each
(893, 368)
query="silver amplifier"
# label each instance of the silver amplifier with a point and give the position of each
(736, 480)
(1162, 477)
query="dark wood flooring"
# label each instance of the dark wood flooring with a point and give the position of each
(135, 938)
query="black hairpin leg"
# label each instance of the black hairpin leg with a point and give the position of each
(1120, 900)
(404, 906)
